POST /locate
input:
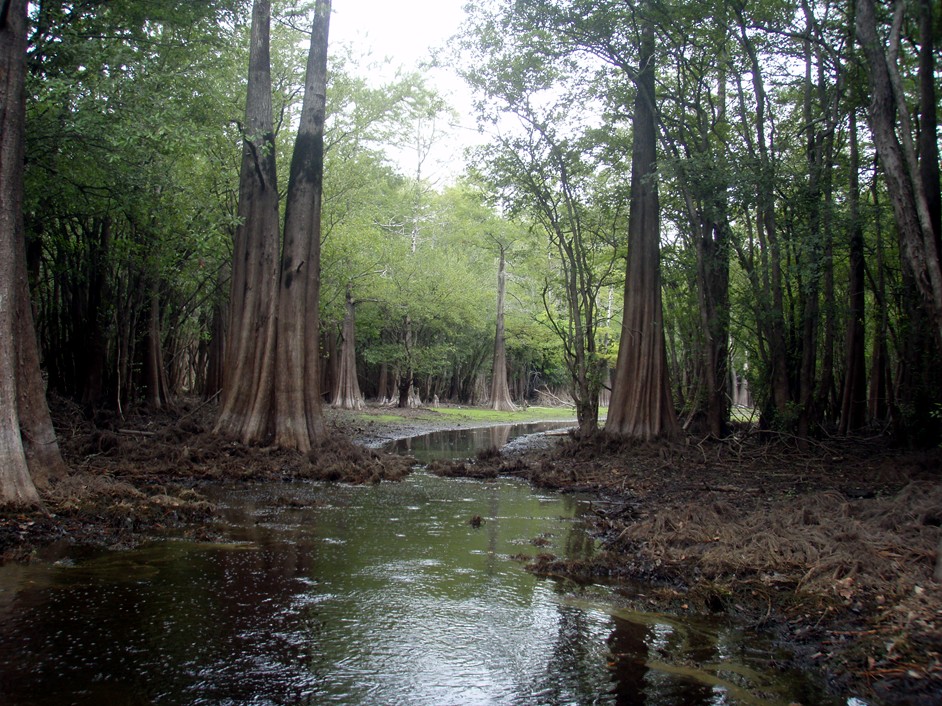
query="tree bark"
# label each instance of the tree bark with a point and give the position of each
(500, 392)
(157, 387)
(246, 406)
(299, 423)
(879, 398)
(854, 392)
(767, 230)
(382, 385)
(261, 399)
(641, 405)
(347, 394)
(29, 452)
(713, 278)
(919, 243)
(93, 355)
(216, 351)
(928, 120)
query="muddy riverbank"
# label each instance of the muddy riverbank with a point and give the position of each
(831, 549)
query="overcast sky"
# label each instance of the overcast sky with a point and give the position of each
(405, 31)
(401, 29)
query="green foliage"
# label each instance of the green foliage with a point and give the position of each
(134, 114)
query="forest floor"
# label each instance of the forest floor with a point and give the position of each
(831, 548)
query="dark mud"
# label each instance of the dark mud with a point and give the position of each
(831, 549)
(139, 475)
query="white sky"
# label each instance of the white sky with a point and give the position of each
(404, 31)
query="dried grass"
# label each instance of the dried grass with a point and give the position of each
(885, 545)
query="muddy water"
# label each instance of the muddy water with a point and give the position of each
(361, 595)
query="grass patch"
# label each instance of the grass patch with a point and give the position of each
(462, 415)
(743, 415)
(530, 414)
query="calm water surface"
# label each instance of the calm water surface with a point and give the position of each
(465, 443)
(361, 595)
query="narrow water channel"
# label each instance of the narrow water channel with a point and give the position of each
(465, 443)
(385, 594)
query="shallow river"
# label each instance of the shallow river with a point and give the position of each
(362, 595)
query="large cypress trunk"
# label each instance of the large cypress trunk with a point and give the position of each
(641, 405)
(28, 448)
(298, 420)
(246, 406)
(347, 394)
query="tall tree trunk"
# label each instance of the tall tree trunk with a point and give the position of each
(328, 361)
(928, 120)
(216, 350)
(347, 394)
(809, 290)
(157, 389)
(500, 392)
(29, 452)
(92, 382)
(919, 241)
(641, 405)
(246, 407)
(854, 392)
(406, 375)
(298, 420)
(713, 278)
(767, 230)
(382, 385)
(880, 396)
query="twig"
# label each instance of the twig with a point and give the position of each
(199, 407)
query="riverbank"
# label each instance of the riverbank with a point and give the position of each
(137, 475)
(831, 549)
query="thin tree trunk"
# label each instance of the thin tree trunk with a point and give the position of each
(854, 393)
(500, 392)
(928, 120)
(92, 382)
(713, 277)
(406, 377)
(809, 304)
(216, 352)
(157, 390)
(641, 405)
(879, 394)
(767, 230)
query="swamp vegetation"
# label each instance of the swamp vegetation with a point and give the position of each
(719, 225)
